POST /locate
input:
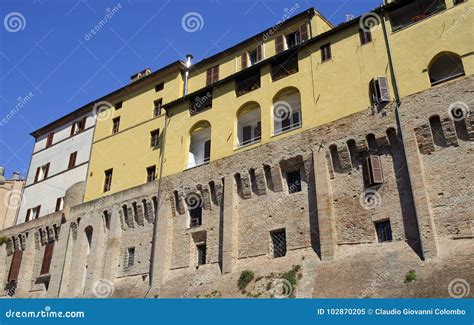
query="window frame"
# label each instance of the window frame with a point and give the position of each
(108, 175)
(298, 187)
(116, 125)
(151, 173)
(383, 230)
(326, 52)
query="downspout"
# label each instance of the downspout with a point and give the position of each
(189, 57)
(158, 198)
(399, 124)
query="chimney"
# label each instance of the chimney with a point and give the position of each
(139, 75)
(16, 176)
(189, 57)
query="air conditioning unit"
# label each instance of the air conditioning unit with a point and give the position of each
(379, 91)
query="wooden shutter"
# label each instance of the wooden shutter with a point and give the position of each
(38, 209)
(46, 171)
(259, 53)
(83, 122)
(247, 133)
(244, 60)
(28, 213)
(366, 172)
(58, 203)
(303, 32)
(207, 150)
(279, 46)
(73, 128)
(383, 88)
(215, 73)
(37, 173)
(15, 266)
(376, 164)
(209, 77)
(72, 160)
(49, 140)
(47, 257)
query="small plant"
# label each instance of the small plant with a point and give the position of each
(410, 276)
(292, 276)
(3, 240)
(245, 278)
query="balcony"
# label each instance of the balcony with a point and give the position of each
(248, 82)
(284, 66)
(413, 12)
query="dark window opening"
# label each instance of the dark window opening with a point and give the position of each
(194, 203)
(130, 257)
(284, 66)
(72, 160)
(201, 102)
(326, 52)
(201, 249)
(292, 39)
(47, 258)
(115, 125)
(59, 204)
(154, 138)
(415, 11)
(159, 86)
(294, 181)
(248, 82)
(437, 132)
(444, 67)
(108, 180)
(365, 36)
(384, 231)
(158, 105)
(118, 105)
(15, 266)
(151, 173)
(279, 243)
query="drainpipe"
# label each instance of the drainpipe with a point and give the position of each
(158, 198)
(189, 57)
(398, 120)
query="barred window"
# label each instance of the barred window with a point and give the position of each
(384, 231)
(278, 242)
(130, 257)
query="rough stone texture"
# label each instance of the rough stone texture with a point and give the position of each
(329, 224)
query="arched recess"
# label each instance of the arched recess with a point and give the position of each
(199, 144)
(248, 124)
(286, 110)
(445, 66)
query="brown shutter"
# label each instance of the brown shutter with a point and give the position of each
(37, 174)
(247, 133)
(15, 266)
(366, 172)
(244, 60)
(73, 128)
(72, 160)
(383, 87)
(376, 164)
(279, 44)
(303, 32)
(209, 77)
(39, 211)
(83, 123)
(215, 74)
(58, 204)
(207, 150)
(47, 257)
(46, 171)
(28, 213)
(259, 53)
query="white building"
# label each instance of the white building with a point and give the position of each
(60, 159)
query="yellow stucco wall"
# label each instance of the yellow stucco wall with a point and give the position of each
(329, 90)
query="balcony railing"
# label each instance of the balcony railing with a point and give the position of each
(414, 12)
(249, 142)
(287, 128)
(197, 163)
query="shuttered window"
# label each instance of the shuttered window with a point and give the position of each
(72, 160)
(154, 138)
(304, 32)
(15, 266)
(259, 53)
(49, 140)
(157, 107)
(47, 257)
(207, 150)
(108, 180)
(372, 169)
(212, 75)
(115, 125)
(244, 60)
(326, 52)
(59, 204)
(279, 44)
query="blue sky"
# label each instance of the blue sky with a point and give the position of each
(50, 64)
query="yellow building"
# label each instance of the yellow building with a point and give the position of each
(297, 75)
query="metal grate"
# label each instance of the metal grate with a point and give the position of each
(384, 231)
(279, 243)
(130, 257)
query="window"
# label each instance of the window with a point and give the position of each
(201, 102)
(414, 11)
(15, 266)
(200, 145)
(157, 107)
(456, 2)
(49, 140)
(249, 125)
(278, 243)
(284, 66)
(108, 180)
(130, 257)
(294, 181)
(384, 231)
(201, 249)
(35, 212)
(365, 36)
(292, 39)
(253, 56)
(287, 111)
(325, 52)
(42, 173)
(118, 105)
(195, 215)
(379, 93)
(151, 173)
(445, 66)
(115, 125)
(248, 82)
(78, 126)
(47, 258)
(212, 75)
(372, 170)
(154, 138)
(72, 160)
(159, 86)
(59, 204)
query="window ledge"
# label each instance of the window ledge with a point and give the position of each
(287, 131)
(187, 167)
(239, 146)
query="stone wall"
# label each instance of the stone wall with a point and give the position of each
(426, 195)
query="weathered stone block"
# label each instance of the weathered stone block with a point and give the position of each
(246, 186)
(261, 184)
(277, 179)
(449, 132)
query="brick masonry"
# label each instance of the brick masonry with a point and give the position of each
(426, 196)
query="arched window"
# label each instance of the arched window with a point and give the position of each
(286, 110)
(445, 66)
(248, 124)
(88, 231)
(199, 145)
